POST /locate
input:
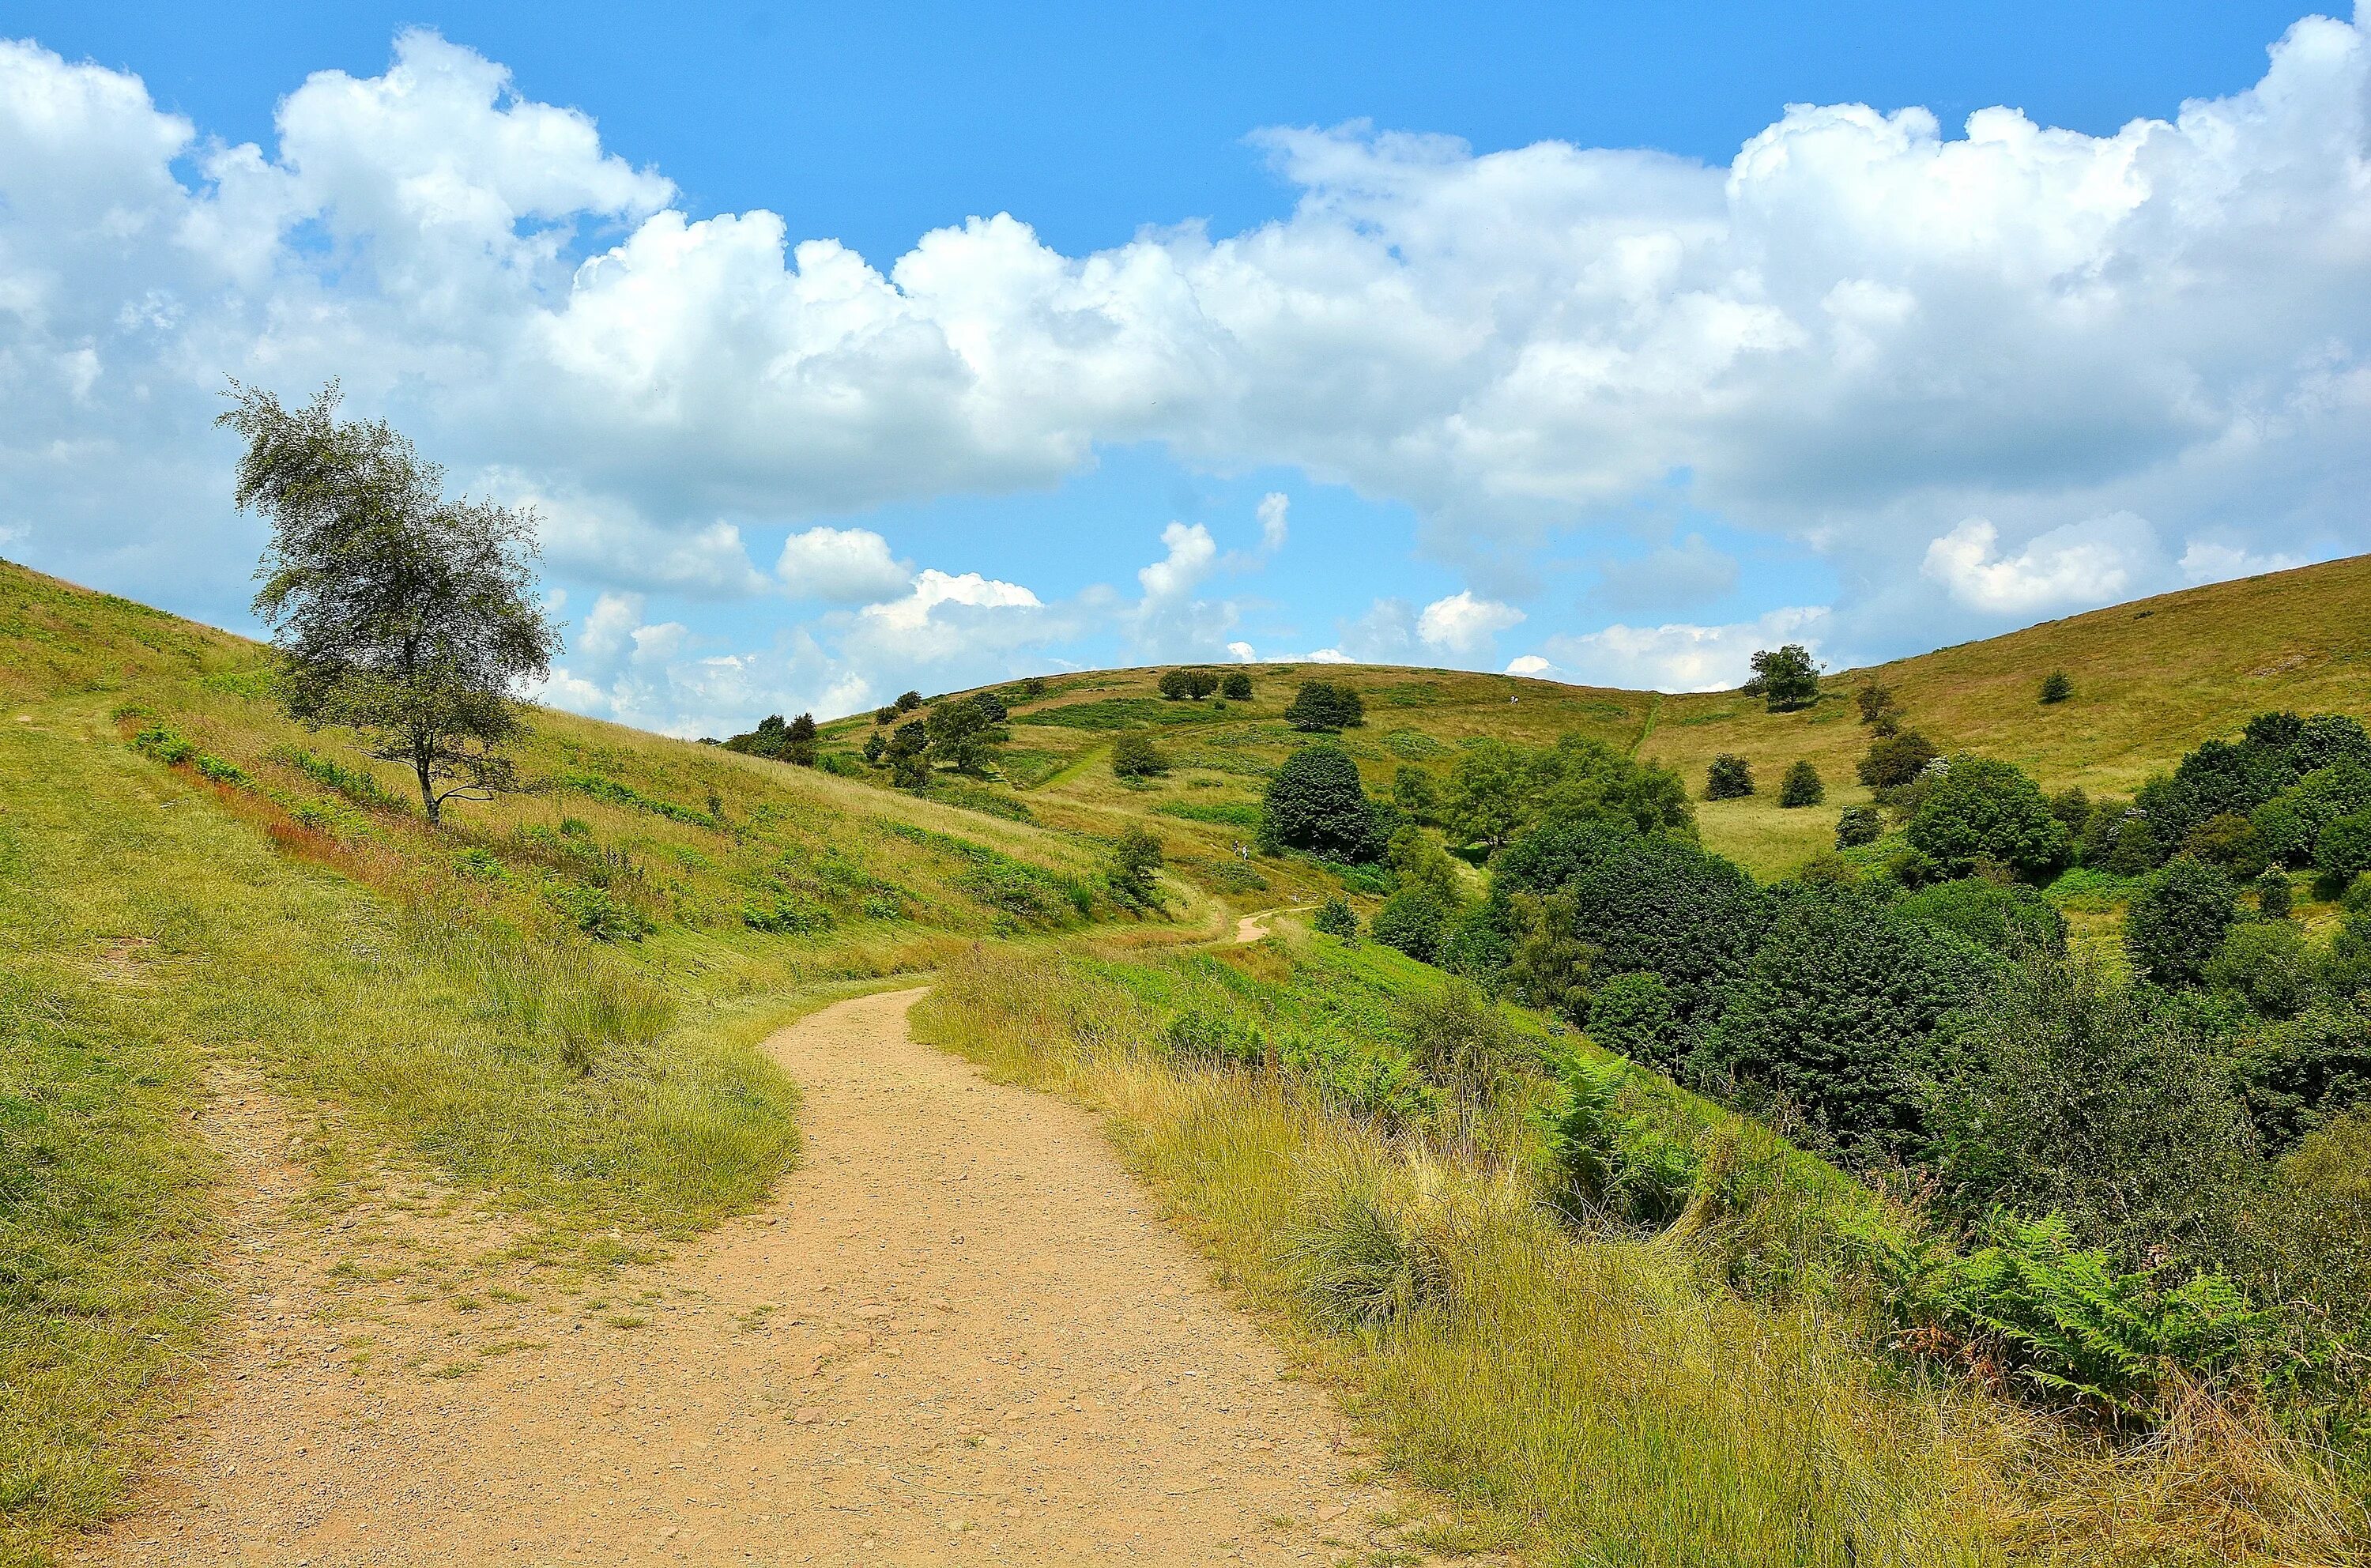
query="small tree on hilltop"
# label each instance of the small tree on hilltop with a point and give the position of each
(393, 611)
(908, 700)
(1801, 786)
(1322, 705)
(1236, 687)
(2056, 687)
(1200, 684)
(1785, 678)
(1730, 777)
(1172, 685)
(1134, 755)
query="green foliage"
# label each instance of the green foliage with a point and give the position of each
(2056, 687)
(2343, 850)
(1802, 786)
(781, 911)
(1457, 1036)
(597, 912)
(2298, 1074)
(2061, 1089)
(1612, 1156)
(2267, 965)
(1895, 760)
(1414, 793)
(1414, 920)
(1729, 778)
(1981, 809)
(1787, 678)
(1325, 706)
(1875, 702)
(2176, 922)
(964, 735)
(1315, 802)
(1496, 790)
(1856, 826)
(1833, 1013)
(410, 617)
(2272, 893)
(355, 784)
(1179, 686)
(2289, 826)
(1232, 814)
(1135, 868)
(793, 743)
(1236, 687)
(1417, 862)
(907, 701)
(2228, 840)
(610, 791)
(159, 742)
(1632, 1015)
(1134, 755)
(2011, 921)
(1335, 917)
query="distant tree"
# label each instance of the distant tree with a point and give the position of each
(1200, 684)
(1172, 685)
(1134, 755)
(2266, 964)
(1413, 793)
(2073, 807)
(1315, 802)
(1032, 688)
(886, 715)
(393, 611)
(2056, 687)
(1802, 786)
(876, 747)
(909, 747)
(1417, 862)
(1324, 705)
(1730, 777)
(908, 700)
(991, 704)
(2228, 840)
(1413, 920)
(1785, 678)
(2133, 849)
(963, 737)
(1135, 868)
(2176, 923)
(1485, 802)
(2272, 893)
(1980, 808)
(1236, 687)
(1894, 760)
(1856, 826)
(799, 740)
(2343, 851)
(1875, 702)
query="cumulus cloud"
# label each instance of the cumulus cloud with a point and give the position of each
(1462, 624)
(1667, 577)
(1274, 510)
(841, 566)
(1674, 657)
(1865, 333)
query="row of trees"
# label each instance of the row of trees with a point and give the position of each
(1731, 778)
(1192, 686)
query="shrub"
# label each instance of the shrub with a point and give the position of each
(1632, 1015)
(2272, 893)
(876, 747)
(1496, 789)
(2175, 924)
(1335, 918)
(1413, 793)
(1615, 1161)
(1198, 1036)
(1322, 705)
(1801, 787)
(1236, 687)
(1413, 920)
(2266, 964)
(2228, 840)
(1730, 777)
(2289, 824)
(1359, 1262)
(785, 914)
(908, 700)
(2010, 920)
(1856, 826)
(1315, 802)
(884, 715)
(1875, 702)
(1134, 755)
(2343, 850)
(2134, 846)
(1978, 808)
(2065, 1090)
(2056, 687)
(1193, 684)
(1457, 1036)
(1645, 901)
(965, 734)
(2302, 1073)
(1135, 868)
(1832, 1015)
(596, 913)
(1784, 678)
(1895, 760)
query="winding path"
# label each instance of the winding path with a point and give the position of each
(958, 1334)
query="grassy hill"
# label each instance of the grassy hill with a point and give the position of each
(2151, 680)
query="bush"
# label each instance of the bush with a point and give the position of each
(2112, 1104)
(1801, 787)
(1631, 1016)
(2289, 826)
(1616, 1161)
(1496, 790)
(595, 912)
(2175, 924)
(1785, 678)
(1875, 702)
(1134, 755)
(1322, 705)
(2228, 840)
(1730, 777)
(2343, 851)
(2266, 964)
(908, 700)
(2302, 1073)
(2011, 921)
(1856, 826)
(1895, 760)
(2056, 687)
(2272, 893)
(1193, 684)
(1413, 793)
(1236, 687)
(1978, 808)
(1135, 868)
(1832, 1015)
(1413, 920)
(1315, 802)
(1457, 1036)
(1335, 918)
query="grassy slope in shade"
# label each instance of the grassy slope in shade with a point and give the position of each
(412, 997)
(2152, 679)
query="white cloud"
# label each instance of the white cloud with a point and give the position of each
(841, 566)
(1274, 510)
(2087, 563)
(2205, 561)
(1676, 657)
(1463, 624)
(1243, 652)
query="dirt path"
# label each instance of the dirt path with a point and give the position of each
(958, 1335)
(1253, 926)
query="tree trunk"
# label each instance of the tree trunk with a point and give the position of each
(428, 801)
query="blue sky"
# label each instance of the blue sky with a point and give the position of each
(1566, 344)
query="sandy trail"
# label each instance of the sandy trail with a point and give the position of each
(957, 1335)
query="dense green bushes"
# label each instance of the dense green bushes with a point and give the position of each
(1495, 790)
(1730, 777)
(1978, 809)
(1315, 802)
(2175, 924)
(1325, 706)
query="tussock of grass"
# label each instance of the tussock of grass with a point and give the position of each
(1602, 1397)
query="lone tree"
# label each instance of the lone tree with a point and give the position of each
(1787, 678)
(394, 611)
(1730, 777)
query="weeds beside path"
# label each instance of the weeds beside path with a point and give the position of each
(957, 1334)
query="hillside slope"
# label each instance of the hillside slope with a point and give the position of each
(2151, 680)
